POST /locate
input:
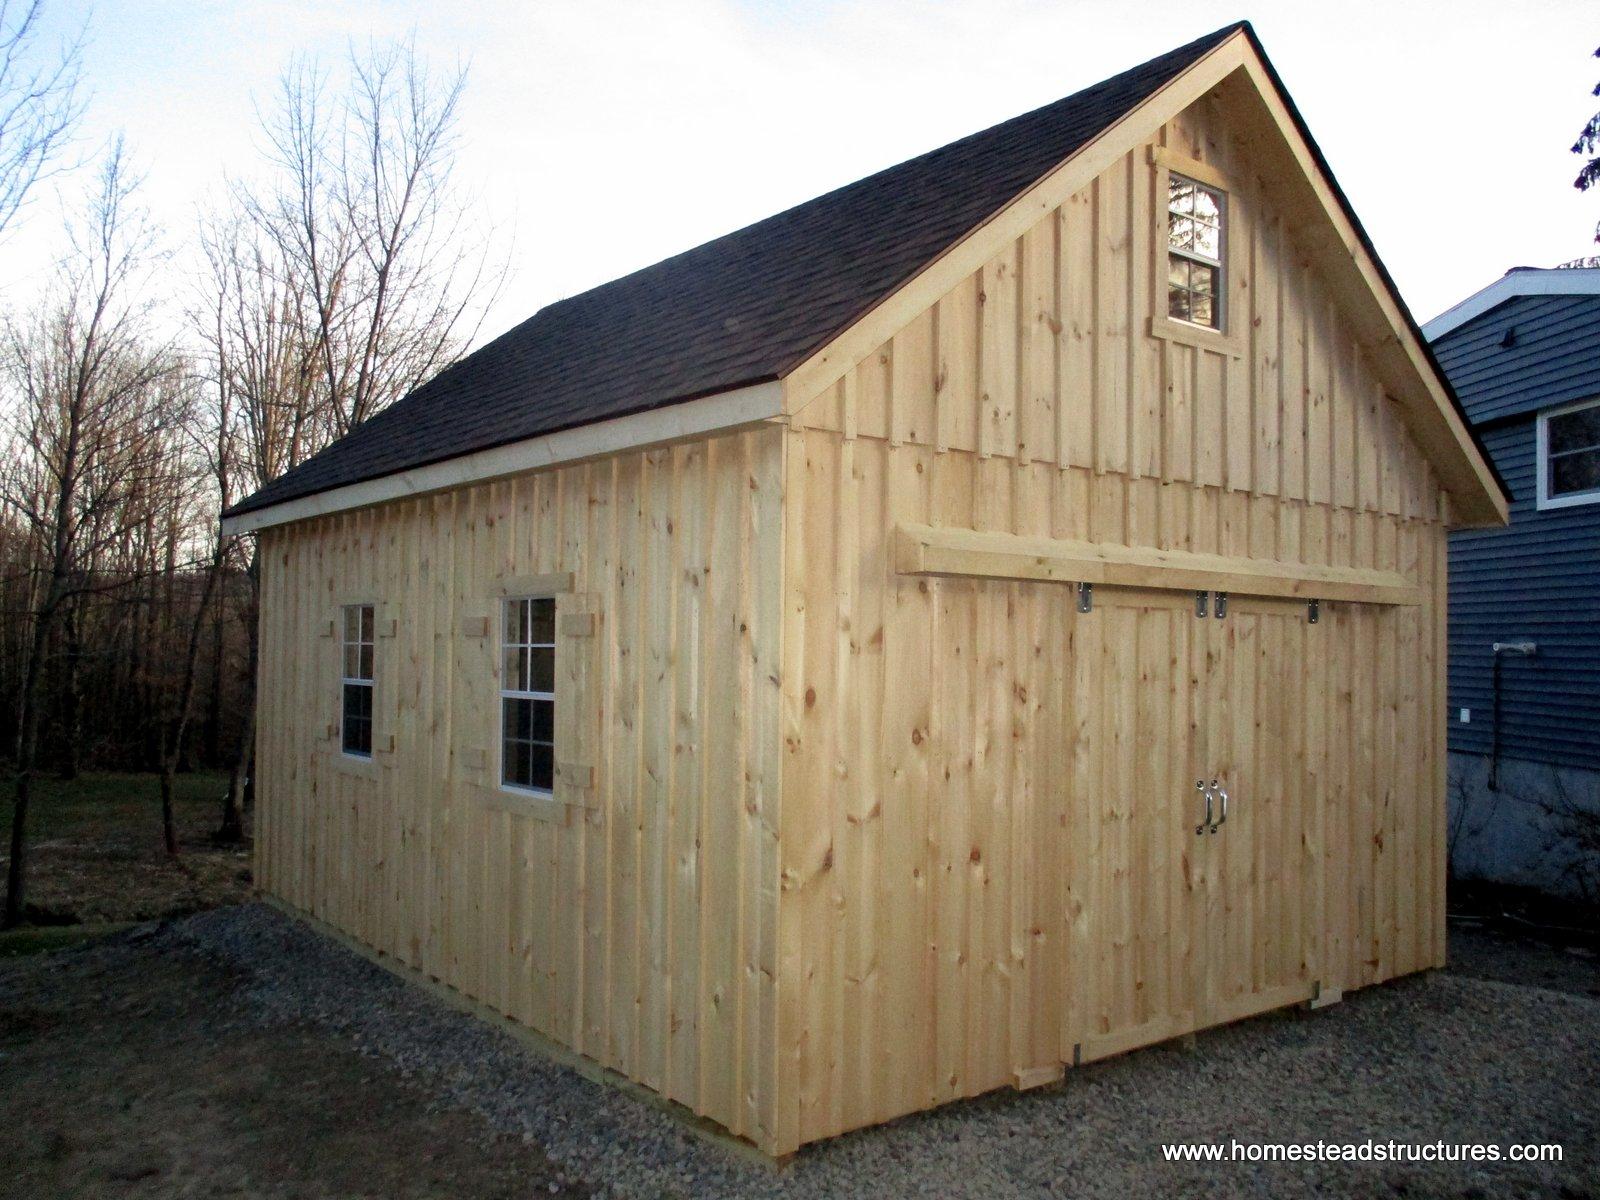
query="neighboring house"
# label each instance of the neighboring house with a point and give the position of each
(1524, 356)
(984, 619)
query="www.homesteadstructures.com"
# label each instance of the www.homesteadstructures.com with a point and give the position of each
(984, 619)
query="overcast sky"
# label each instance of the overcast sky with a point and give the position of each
(610, 135)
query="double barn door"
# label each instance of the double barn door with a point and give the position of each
(1183, 914)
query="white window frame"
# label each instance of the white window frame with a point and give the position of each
(1219, 297)
(509, 693)
(1571, 499)
(371, 684)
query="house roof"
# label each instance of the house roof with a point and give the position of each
(742, 309)
(1518, 281)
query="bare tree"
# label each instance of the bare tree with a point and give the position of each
(372, 235)
(348, 276)
(86, 426)
(40, 103)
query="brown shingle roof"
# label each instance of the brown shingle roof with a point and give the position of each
(745, 308)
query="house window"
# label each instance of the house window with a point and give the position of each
(355, 682)
(1194, 251)
(1569, 455)
(528, 693)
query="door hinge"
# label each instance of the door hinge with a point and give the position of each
(1313, 610)
(1085, 597)
(1221, 605)
(1077, 1054)
(1200, 603)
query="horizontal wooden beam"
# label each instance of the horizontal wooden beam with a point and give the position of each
(925, 550)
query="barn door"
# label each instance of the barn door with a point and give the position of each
(1135, 896)
(1258, 919)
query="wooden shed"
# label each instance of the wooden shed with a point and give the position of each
(982, 620)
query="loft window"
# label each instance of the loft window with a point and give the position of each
(1195, 235)
(355, 682)
(1569, 455)
(528, 693)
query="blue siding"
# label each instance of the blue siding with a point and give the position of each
(1556, 357)
(1538, 579)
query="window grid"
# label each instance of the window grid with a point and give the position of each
(1569, 450)
(356, 677)
(1194, 252)
(527, 694)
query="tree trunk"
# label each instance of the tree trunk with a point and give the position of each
(240, 790)
(72, 694)
(213, 743)
(172, 748)
(27, 755)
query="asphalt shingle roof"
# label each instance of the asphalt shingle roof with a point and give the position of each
(745, 308)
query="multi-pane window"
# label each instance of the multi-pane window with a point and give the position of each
(355, 682)
(1194, 252)
(528, 693)
(1569, 450)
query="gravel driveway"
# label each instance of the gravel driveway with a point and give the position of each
(1451, 1057)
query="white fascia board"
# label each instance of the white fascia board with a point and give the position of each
(674, 422)
(1555, 281)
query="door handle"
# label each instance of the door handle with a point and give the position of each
(1222, 794)
(1201, 784)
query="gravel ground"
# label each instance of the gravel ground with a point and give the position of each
(1436, 1057)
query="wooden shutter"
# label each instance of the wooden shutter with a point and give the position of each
(475, 695)
(578, 704)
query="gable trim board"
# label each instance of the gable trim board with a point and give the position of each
(1428, 407)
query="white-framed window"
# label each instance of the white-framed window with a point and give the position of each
(1569, 455)
(356, 680)
(1196, 240)
(528, 693)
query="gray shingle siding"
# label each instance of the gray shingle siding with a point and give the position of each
(1539, 578)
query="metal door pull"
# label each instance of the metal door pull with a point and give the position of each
(1222, 794)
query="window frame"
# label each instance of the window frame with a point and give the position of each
(508, 693)
(1219, 295)
(1232, 307)
(1542, 459)
(348, 681)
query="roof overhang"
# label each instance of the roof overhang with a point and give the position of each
(722, 412)
(1520, 281)
(1314, 208)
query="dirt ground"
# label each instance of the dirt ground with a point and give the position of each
(125, 1073)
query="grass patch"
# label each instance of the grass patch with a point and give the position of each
(97, 856)
(119, 803)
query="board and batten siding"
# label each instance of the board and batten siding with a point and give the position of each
(973, 893)
(639, 930)
(1535, 580)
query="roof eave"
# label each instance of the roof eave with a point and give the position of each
(721, 412)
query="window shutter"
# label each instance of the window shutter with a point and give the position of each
(475, 696)
(578, 703)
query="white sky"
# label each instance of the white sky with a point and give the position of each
(609, 135)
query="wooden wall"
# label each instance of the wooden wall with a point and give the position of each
(951, 747)
(640, 929)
